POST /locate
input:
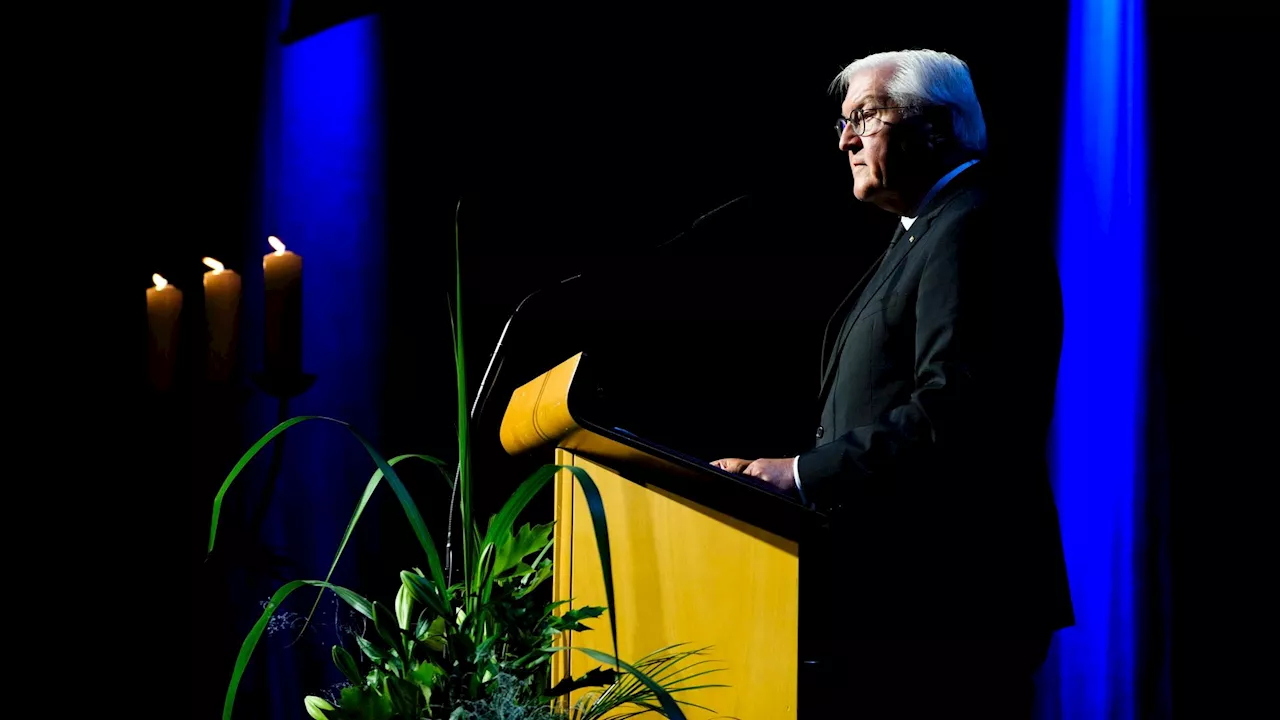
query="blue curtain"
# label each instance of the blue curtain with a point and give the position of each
(320, 190)
(1099, 436)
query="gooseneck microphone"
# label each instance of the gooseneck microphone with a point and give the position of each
(705, 216)
(486, 387)
(483, 390)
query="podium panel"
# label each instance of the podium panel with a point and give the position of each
(683, 573)
(702, 558)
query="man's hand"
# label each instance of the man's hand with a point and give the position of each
(775, 471)
(733, 465)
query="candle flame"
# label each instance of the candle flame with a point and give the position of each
(275, 243)
(217, 266)
(160, 282)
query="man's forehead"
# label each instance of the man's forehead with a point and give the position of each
(851, 101)
(864, 86)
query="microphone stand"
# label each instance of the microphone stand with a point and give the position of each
(482, 395)
(483, 390)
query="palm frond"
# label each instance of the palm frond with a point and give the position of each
(636, 691)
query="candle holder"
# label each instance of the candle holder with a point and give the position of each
(281, 386)
(284, 386)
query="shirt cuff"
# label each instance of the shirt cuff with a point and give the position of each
(795, 473)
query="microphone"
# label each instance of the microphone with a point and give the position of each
(485, 387)
(483, 390)
(705, 216)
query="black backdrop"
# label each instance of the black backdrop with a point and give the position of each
(539, 124)
(577, 143)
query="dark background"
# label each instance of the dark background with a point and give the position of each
(577, 142)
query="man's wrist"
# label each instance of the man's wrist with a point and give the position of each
(795, 475)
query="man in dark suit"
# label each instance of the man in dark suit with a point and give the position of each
(947, 579)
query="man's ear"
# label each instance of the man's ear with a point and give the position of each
(938, 126)
(915, 136)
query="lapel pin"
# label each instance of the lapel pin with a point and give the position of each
(911, 239)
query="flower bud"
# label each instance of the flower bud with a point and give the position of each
(316, 707)
(404, 607)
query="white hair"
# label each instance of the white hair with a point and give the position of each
(927, 77)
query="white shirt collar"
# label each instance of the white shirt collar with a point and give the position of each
(907, 221)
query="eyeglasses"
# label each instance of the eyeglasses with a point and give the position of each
(865, 121)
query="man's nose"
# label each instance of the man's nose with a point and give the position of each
(849, 142)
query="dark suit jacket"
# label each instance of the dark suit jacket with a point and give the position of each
(935, 408)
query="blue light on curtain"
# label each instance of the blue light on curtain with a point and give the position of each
(1099, 426)
(321, 191)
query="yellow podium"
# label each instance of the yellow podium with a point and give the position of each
(699, 555)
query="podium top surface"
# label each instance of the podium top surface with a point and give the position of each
(563, 407)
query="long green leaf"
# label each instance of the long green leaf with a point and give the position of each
(410, 510)
(359, 604)
(504, 521)
(355, 517)
(669, 706)
(406, 501)
(484, 566)
(533, 566)
(601, 526)
(464, 415)
(244, 460)
(251, 640)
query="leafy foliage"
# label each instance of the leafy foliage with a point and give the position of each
(493, 663)
(648, 686)
(480, 648)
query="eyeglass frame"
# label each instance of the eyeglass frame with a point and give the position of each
(861, 114)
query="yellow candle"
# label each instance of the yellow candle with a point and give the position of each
(282, 271)
(222, 312)
(164, 306)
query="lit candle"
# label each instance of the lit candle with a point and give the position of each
(222, 311)
(282, 271)
(164, 305)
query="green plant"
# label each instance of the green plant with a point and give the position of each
(462, 650)
(670, 668)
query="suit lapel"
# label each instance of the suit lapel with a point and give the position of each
(893, 258)
(878, 278)
(842, 310)
(890, 261)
